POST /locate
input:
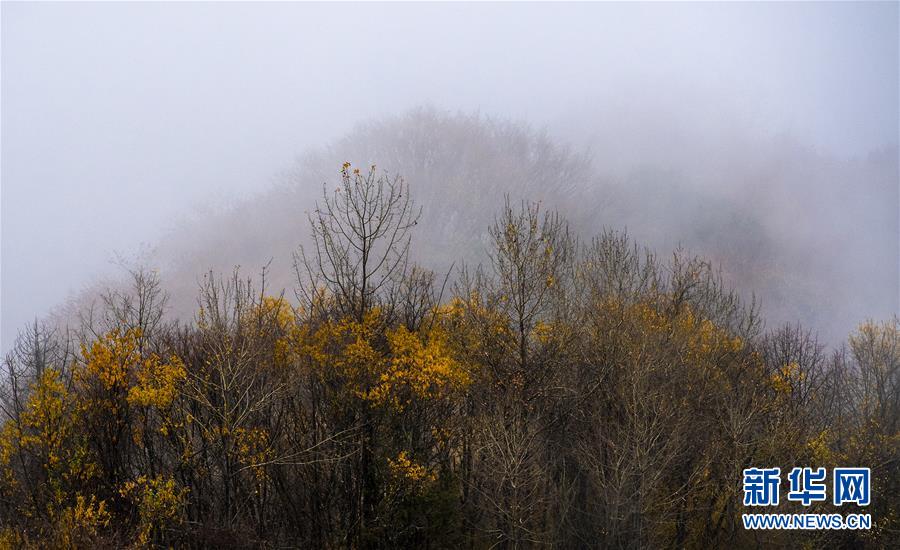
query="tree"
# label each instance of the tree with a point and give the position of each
(361, 236)
(563, 396)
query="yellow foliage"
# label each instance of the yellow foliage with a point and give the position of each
(45, 423)
(253, 448)
(700, 341)
(277, 310)
(404, 469)
(159, 502)
(650, 335)
(385, 372)
(470, 320)
(423, 369)
(787, 379)
(820, 449)
(156, 383)
(80, 525)
(343, 346)
(108, 359)
(47, 430)
(116, 363)
(10, 539)
(48, 434)
(876, 347)
(543, 332)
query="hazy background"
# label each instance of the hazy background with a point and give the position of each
(125, 127)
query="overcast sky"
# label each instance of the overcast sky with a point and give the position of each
(118, 118)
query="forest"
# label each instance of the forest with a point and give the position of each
(571, 391)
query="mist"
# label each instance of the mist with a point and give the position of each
(195, 137)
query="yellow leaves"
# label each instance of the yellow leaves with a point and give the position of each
(820, 449)
(469, 320)
(346, 170)
(386, 368)
(455, 308)
(441, 435)
(115, 362)
(90, 511)
(705, 341)
(10, 538)
(419, 369)
(649, 334)
(158, 500)
(406, 470)
(46, 426)
(252, 446)
(359, 353)
(108, 358)
(156, 382)
(876, 346)
(887, 332)
(278, 312)
(46, 409)
(49, 435)
(116, 376)
(344, 346)
(9, 437)
(272, 311)
(700, 339)
(787, 379)
(78, 526)
(543, 332)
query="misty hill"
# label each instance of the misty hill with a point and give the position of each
(808, 235)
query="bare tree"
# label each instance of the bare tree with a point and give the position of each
(361, 235)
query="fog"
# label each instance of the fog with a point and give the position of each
(194, 136)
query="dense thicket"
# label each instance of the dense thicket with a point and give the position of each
(566, 393)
